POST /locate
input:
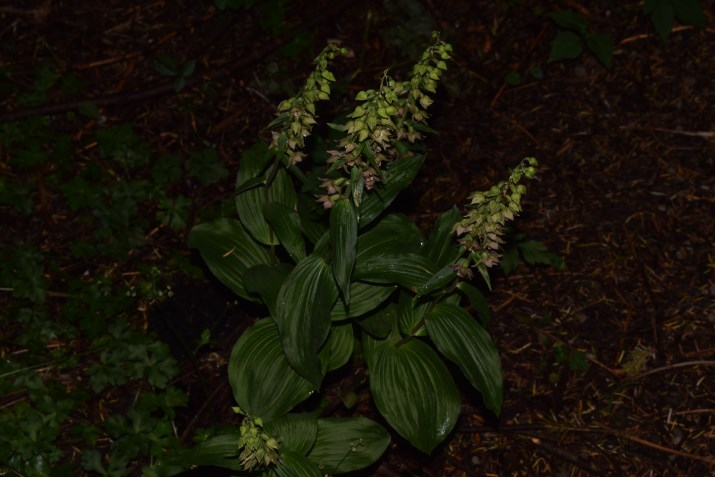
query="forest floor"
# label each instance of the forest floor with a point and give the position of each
(609, 361)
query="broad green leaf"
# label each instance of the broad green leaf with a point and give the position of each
(303, 315)
(346, 444)
(462, 339)
(249, 203)
(570, 20)
(219, 451)
(310, 219)
(293, 464)
(602, 48)
(477, 300)
(263, 382)
(397, 177)
(689, 12)
(286, 224)
(392, 234)
(410, 314)
(443, 277)
(228, 250)
(266, 281)
(442, 246)
(339, 345)
(407, 269)
(380, 322)
(343, 238)
(364, 297)
(295, 432)
(566, 46)
(415, 393)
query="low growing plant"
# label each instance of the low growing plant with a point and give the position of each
(350, 280)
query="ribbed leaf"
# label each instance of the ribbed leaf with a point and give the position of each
(462, 339)
(348, 444)
(397, 177)
(266, 281)
(249, 203)
(343, 238)
(286, 225)
(303, 315)
(219, 451)
(392, 234)
(295, 432)
(442, 246)
(410, 314)
(263, 382)
(380, 322)
(443, 277)
(293, 464)
(339, 345)
(477, 300)
(228, 251)
(407, 269)
(415, 393)
(364, 297)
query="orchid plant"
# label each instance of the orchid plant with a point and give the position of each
(345, 280)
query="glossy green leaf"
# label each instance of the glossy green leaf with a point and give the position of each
(295, 432)
(266, 282)
(411, 313)
(441, 247)
(293, 464)
(228, 250)
(263, 382)
(364, 297)
(311, 218)
(286, 225)
(396, 178)
(340, 345)
(249, 203)
(343, 239)
(462, 339)
(407, 269)
(415, 393)
(303, 315)
(477, 300)
(347, 444)
(443, 277)
(219, 451)
(380, 322)
(566, 46)
(392, 234)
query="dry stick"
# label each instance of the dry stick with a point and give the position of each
(703, 134)
(125, 97)
(638, 440)
(676, 365)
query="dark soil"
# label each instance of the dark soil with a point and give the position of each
(626, 196)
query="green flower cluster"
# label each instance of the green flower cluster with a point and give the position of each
(257, 447)
(481, 230)
(397, 111)
(296, 115)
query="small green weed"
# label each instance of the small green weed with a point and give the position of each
(663, 12)
(575, 33)
(533, 252)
